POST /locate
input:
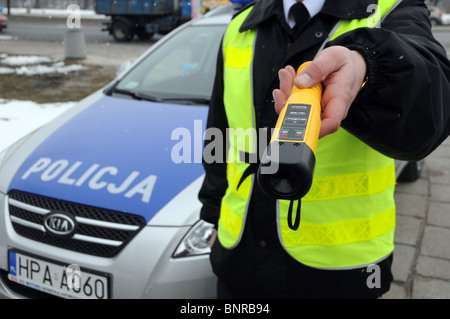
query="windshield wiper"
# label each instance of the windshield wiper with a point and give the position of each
(137, 95)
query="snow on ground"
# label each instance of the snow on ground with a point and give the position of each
(7, 37)
(23, 59)
(33, 65)
(58, 67)
(18, 118)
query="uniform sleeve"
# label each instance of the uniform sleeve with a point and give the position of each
(404, 109)
(215, 182)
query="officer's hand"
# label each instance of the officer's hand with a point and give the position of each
(213, 238)
(342, 72)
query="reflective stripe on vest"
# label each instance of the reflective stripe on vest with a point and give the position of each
(348, 217)
(238, 99)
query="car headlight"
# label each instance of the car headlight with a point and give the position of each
(196, 241)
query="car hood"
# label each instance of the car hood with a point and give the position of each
(125, 155)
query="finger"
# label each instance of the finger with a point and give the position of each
(328, 126)
(286, 76)
(280, 99)
(213, 238)
(281, 95)
(334, 113)
(291, 70)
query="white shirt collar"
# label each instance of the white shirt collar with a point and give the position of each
(313, 6)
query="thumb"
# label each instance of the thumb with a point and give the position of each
(311, 75)
(328, 61)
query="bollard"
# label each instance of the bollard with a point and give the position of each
(74, 44)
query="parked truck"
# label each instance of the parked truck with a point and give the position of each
(143, 18)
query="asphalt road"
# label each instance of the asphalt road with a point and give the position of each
(442, 34)
(54, 30)
(45, 36)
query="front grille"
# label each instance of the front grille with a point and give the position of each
(100, 232)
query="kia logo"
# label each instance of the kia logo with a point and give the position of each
(59, 223)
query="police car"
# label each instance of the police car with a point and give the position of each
(102, 202)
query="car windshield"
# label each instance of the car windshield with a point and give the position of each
(181, 70)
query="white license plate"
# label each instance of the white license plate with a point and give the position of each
(66, 281)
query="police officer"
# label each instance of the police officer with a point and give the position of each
(386, 96)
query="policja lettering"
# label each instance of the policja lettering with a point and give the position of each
(192, 309)
(95, 177)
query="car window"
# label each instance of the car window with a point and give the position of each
(183, 67)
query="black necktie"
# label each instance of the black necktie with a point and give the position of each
(300, 14)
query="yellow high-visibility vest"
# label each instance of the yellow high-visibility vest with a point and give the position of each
(348, 216)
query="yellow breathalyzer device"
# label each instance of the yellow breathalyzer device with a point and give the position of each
(292, 148)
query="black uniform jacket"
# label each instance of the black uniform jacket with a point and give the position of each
(403, 112)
